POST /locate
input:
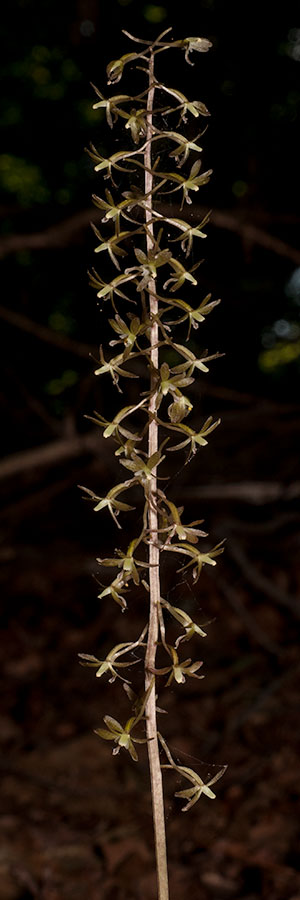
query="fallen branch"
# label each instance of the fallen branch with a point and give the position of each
(260, 582)
(254, 492)
(56, 452)
(258, 634)
(49, 454)
(276, 523)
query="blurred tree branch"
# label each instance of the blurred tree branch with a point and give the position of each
(85, 351)
(69, 230)
(265, 585)
(49, 455)
(48, 335)
(33, 403)
(254, 492)
(76, 445)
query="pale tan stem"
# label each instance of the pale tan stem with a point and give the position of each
(154, 579)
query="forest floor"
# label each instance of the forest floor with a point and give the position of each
(75, 822)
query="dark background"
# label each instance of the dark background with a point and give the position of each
(74, 821)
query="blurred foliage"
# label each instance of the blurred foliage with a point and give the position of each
(58, 385)
(153, 13)
(250, 82)
(23, 180)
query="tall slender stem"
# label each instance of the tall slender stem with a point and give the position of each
(154, 578)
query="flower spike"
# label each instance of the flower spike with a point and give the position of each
(150, 283)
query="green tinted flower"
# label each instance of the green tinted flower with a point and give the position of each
(178, 670)
(199, 787)
(185, 620)
(120, 736)
(110, 663)
(115, 68)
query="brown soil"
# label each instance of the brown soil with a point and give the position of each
(75, 822)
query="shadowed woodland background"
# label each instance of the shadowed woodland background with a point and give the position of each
(74, 821)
